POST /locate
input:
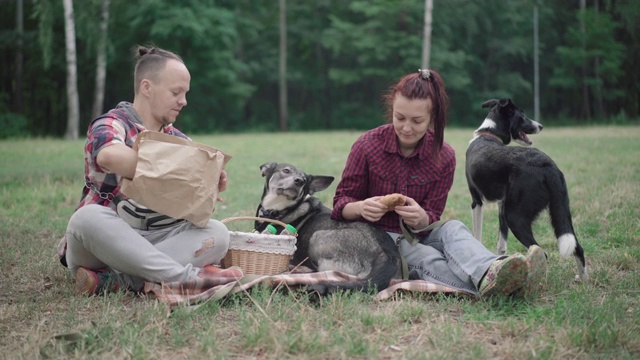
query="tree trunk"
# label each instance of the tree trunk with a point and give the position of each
(586, 110)
(101, 61)
(536, 66)
(283, 67)
(598, 82)
(17, 99)
(73, 112)
(426, 41)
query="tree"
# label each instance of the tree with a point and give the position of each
(283, 66)
(592, 42)
(426, 45)
(101, 61)
(536, 65)
(17, 101)
(628, 34)
(73, 115)
(346, 54)
(586, 112)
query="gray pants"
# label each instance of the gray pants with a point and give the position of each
(450, 256)
(98, 238)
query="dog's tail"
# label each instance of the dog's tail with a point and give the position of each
(382, 271)
(560, 213)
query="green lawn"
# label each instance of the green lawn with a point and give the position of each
(40, 184)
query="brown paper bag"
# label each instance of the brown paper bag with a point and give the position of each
(176, 177)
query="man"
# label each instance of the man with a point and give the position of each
(106, 251)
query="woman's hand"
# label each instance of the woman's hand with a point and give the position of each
(371, 209)
(413, 215)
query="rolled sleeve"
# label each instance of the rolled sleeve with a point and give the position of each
(354, 183)
(102, 133)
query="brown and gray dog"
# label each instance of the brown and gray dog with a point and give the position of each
(354, 247)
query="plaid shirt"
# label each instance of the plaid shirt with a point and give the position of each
(376, 167)
(118, 126)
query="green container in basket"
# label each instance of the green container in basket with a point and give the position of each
(259, 254)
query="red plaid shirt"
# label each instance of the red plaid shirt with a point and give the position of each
(376, 167)
(118, 126)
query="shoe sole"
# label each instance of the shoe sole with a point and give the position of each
(537, 263)
(510, 278)
(85, 283)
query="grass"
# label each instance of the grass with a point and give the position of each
(40, 183)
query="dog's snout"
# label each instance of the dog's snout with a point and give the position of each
(537, 127)
(298, 181)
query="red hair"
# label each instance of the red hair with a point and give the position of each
(415, 86)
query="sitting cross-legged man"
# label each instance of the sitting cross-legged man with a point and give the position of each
(106, 248)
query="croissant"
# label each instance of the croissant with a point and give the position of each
(393, 200)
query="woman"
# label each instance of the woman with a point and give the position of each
(409, 156)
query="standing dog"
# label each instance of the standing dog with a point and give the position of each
(355, 248)
(524, 181)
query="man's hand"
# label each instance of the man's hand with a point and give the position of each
(222, 184)
(119, 159)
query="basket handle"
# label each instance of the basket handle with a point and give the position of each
(230, 219)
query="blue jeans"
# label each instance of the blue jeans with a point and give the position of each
(450, 256)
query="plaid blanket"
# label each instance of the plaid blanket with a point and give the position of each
(198, 291)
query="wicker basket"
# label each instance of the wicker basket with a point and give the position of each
(259, 254)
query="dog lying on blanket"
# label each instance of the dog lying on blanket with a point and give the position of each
(355, 248)
(524, 181)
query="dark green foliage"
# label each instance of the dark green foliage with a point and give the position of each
(342, 56)
(12, 125)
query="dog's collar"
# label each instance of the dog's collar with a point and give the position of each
(271, 214)
(279, 215)
(488, 134)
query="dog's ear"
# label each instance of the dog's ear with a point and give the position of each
(267, 168)
(489, 103)
(505, 102)
(319, 183)
(507, 107)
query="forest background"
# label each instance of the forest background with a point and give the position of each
(327, 61)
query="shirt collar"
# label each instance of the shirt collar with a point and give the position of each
(127, 107)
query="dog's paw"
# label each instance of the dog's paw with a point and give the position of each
(393, 200)
(581, 278)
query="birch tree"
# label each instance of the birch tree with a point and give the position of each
(17, 104)
(426, 45)
(536, 65)
(73, 112)
(101, 61)
(283, 67)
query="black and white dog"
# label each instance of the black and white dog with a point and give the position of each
(355, 248)
(524, 181)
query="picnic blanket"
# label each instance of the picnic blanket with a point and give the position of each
(200, 290)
